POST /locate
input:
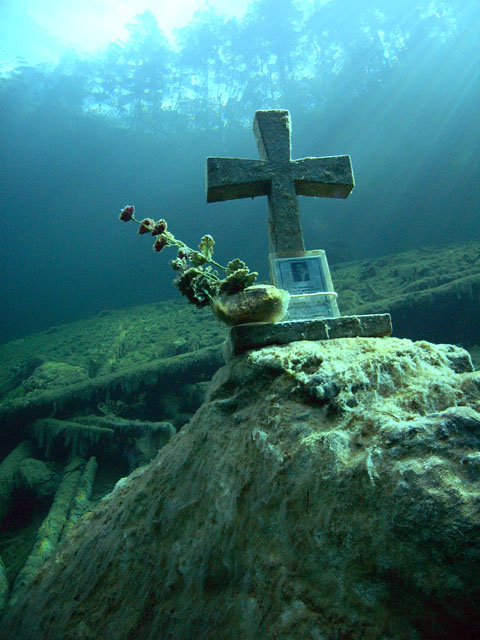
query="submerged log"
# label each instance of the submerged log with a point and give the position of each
(8, 468)
(186, 368)
(49, 532)
(3, 586)
(79, 438)
(124, 427)
(81, 499)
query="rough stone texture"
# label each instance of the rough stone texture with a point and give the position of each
(324, 490)
(241, 338)
(54, 375)
(278, 177)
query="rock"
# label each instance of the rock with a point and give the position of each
(323, 490)
(258, 303)
(55, 375)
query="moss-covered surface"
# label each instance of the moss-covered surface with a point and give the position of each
(111, 342)
(432, 293)
(384, 280)
(18, 532)
(96, 377)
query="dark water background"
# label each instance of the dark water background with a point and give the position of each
(394, 84)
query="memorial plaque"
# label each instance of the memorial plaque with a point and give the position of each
(306, 276)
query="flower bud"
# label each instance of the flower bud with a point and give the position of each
(127, 213)
(146, 226)
(159, 243)
(159, 227)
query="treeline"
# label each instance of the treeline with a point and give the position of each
(300, 54)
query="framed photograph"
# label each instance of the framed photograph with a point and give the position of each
(306, 276)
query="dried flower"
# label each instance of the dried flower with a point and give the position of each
(178, 264)
(183, 254)
(159, 227)
(206, 247)
(159, 243)
(146, 226)
(196, 276)
(127, 213)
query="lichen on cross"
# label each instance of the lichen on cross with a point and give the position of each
(279, 177)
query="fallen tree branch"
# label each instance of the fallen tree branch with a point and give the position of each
(80, 503)
(8, 469)
(48, 535)
(18, 414)
(79, 438)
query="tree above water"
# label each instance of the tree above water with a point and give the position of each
(219, 70)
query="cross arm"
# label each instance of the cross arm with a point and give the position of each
(329, 177)
(231, 178)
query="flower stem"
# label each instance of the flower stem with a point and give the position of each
(173, 242)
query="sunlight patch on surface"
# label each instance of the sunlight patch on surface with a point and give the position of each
(43, 30)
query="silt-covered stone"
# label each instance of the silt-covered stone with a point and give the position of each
(323, 490)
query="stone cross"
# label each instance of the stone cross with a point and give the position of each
(279, 177)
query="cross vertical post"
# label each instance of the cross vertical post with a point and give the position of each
(278, 177)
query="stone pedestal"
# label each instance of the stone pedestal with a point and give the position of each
(255, 335)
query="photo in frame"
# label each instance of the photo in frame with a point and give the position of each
(306, 276)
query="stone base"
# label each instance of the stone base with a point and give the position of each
(255, 335)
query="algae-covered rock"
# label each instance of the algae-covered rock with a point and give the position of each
(54, 375)
(323, 490)
(258, 303)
